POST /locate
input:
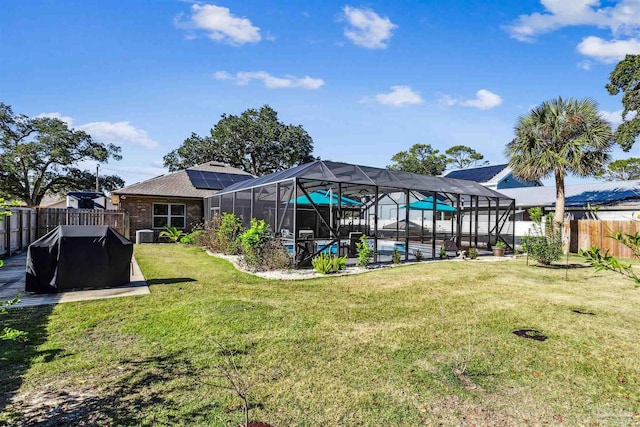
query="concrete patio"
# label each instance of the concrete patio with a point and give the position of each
(12, 282)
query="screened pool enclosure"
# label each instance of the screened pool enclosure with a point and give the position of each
(325, 207)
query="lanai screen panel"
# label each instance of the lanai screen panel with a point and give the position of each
(264, 204)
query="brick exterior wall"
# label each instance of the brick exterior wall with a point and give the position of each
(140, 211)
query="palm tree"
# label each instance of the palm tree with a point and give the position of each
(560, 137)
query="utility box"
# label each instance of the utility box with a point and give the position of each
(144, 236)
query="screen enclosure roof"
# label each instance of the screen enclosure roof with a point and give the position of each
(365, 177)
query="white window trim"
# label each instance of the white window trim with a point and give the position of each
(169, 216)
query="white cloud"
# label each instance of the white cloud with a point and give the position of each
(484, 100)
(399, 95)
(608, 51)
(367, 29)
(243, 78)
(584, 65)
(615, 117)
(220, 25)
(56, 115)
(119, 133)
(620, 19)
(113, 133)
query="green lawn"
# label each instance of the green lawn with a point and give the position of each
(377, 349)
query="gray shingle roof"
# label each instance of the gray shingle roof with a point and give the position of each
(177, 184)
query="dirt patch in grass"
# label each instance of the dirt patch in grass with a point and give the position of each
(56, 404)
(578, 311)
(531, 334)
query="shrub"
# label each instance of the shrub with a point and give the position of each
(500, 244)
(209, 236)
(443, 252)
(472, 253)
(191, 238)
(396, 257)
(419, 255)
(274, 256)
(228, 234)
(172, 233)
(543, 244)
(326, 264)
(262, 251)
(607, 262)
(364, 252)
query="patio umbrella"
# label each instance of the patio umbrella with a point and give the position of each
(324, 198)
(426, 204)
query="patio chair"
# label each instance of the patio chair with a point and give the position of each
(450, 247)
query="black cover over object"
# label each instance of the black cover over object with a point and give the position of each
(76, 257)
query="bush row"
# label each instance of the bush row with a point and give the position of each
(260, 249)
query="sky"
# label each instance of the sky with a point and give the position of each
(365, 79)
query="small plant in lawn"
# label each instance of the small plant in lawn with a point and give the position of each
(228, 234)
(443, 252)
(172, 233)
(419, 255)
(607, 262)
(241, 380)
(544, 242)
(11, 334)
(364, 252)
(472, 253)
(396, 257)
(327, 264)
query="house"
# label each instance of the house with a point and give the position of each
(495, 177)
(85, 199)
(609, 200)
(174, 199)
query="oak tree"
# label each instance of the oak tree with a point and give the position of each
(256, 141)
(420, 158)
(40, 155)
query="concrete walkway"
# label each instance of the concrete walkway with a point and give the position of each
(12, 282)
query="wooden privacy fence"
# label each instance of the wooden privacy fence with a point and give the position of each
(49, 218)
(586, 233)
(17, 230)
(26, 225)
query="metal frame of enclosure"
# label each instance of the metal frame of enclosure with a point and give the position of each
(325, 207)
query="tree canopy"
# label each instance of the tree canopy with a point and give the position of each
(626, 78)
(622, 170)
(40, 155)
(461, 156)
(420, 158)
(560, 137)
(256, 142)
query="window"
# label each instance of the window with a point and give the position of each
(169, 215)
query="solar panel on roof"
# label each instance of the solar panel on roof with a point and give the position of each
(481, 174)
(206, 180)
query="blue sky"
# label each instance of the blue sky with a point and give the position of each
(366, 80)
